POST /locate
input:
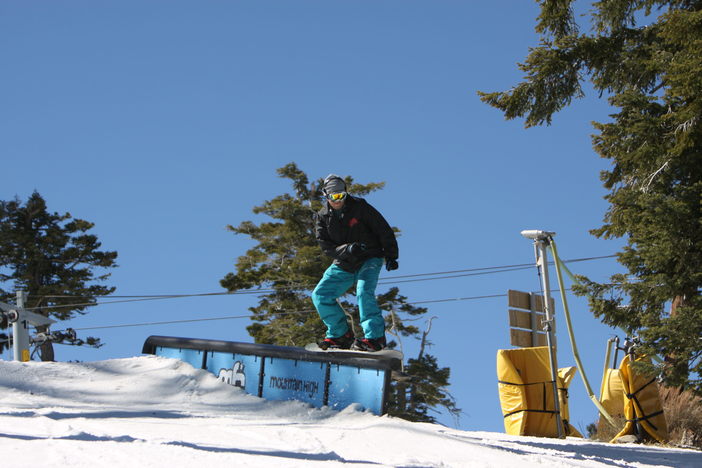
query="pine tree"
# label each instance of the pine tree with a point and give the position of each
(285, 265)
(427, 388)
(646, 57)
(53, 259)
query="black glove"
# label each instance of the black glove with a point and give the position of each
(391, 264)
(356, 248)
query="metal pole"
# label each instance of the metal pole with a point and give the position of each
(20, 331)
(616, 352)
(532, 303)
(543, 265)
(541, 240)
(608, 356)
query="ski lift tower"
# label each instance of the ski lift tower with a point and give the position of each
(21, 320)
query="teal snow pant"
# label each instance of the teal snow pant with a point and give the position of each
(335, 283)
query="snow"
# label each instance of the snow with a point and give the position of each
(151, 411)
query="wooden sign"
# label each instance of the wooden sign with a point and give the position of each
(522, 319)
(519, 299)
(523, 300)
(524, 338)
(538, 303)
(527, 324)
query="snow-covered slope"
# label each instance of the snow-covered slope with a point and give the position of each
(152, 411)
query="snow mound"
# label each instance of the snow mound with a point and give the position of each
(154, 411)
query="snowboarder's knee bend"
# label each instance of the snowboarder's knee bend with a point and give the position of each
(319, 297)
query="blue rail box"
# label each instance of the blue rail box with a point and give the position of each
(335, 379)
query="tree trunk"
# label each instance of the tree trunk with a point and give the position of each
(401, 389)
(679, 301)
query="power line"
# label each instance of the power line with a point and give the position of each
(519, 265)
(514, 267)
(302, 311)
(145, 324)
(435, 301)
(387, 280)
(458, 276)
(164, 296)
(231, 317)
(147, 298)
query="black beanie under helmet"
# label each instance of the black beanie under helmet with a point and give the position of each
(333, 184)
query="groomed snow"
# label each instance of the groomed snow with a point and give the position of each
(156, 412)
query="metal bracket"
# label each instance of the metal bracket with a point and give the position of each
(9, 312)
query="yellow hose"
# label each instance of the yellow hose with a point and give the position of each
(573, 345)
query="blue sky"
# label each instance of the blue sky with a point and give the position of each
(164, 121)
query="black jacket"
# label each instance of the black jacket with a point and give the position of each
(357, 221)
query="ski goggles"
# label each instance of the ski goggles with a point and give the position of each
(336, 197)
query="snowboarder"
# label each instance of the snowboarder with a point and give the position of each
(358, 238)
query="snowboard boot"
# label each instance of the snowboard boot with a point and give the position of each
(369, 344)
(342, 342)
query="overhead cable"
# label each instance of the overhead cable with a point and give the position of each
(302, 311)
(385, 280)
